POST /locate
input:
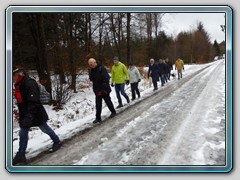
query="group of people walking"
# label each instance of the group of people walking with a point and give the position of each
(162, 70)
(32, 112)
(120, 76)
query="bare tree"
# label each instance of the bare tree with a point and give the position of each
(37, 28)
(128, 37)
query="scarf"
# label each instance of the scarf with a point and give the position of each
(17, 90)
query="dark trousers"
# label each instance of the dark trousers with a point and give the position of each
(134, 88)
(155, 84)
(168, 75)
(166, 78)
(162, 78)
(120, 88)
(109, 103)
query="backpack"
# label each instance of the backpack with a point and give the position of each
(44, 95)
(100, 70)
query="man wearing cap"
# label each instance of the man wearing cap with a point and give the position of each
(101, 88)
(31, 113)
(120, 76)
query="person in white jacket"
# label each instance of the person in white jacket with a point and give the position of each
(135, 78)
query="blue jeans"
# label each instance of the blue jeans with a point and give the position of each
(166, 78)
(162, 77)
(23, 134)
(120, 88)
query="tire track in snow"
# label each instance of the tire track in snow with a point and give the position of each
(191, 124)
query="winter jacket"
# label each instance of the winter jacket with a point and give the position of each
(29, 102)
(163, 68)
(169, 66)
(134, 74)
(100, 78)
(179, 64)
(153, 71)
(119, 73)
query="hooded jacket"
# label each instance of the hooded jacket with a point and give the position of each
(28, 99)
(179, 64)
(119, 73)
(134, 74)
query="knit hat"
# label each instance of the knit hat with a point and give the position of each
(116, 58)
(17, 69)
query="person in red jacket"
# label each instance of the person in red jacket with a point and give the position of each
(31, 113)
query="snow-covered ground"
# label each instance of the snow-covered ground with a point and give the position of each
(191, 117)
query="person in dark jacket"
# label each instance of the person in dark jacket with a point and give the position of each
(162, 71)
(153, 71)
(170, 67)
(101, 88)
(31, 113)
(165, 71)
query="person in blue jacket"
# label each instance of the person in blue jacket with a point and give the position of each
(153, 71)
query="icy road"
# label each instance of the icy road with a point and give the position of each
(180, 124)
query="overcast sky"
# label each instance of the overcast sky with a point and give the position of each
(173, 23)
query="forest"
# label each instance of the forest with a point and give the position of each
(61, 43)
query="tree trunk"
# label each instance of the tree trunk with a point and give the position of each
(71, 53)
(100, 37)
(114, 35)
(37, 29)
(149, 33)
(128, 37)
(58, 59)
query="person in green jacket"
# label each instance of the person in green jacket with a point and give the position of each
(120, 76)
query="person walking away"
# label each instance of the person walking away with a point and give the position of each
(179, 66)
(99, 76)
(165, 71)
(135, 78)
(162, 71)
(153, 71)
(120, 76)
(31, 113)
(169, 68)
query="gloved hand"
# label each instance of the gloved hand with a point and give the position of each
(139, 80)
(127, 82)
(112, 84)
(27, 121)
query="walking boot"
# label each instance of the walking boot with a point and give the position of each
(55, 146)
(112, 115)
(97, 120)
(128, 101)
(119, 106)
(20, 158)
